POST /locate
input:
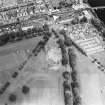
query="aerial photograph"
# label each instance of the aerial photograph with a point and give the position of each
(52, 52)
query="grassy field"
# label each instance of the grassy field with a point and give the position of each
(45, 85)
(91, 81)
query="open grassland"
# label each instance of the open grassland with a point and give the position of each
(45, 85)
(91, 81)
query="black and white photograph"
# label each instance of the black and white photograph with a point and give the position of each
(52, 52)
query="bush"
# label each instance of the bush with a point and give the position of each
(19, 36)
(4, 87)
(62, 32)
(29, 31)
(68, 42)
(64, 4)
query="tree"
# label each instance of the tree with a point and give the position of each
(12, 98)
(97, 24)
(76, 92)
(66, 75)
(64, 59)
(19, 36)
(75, 84)
(83, 20)
(25, 89)
(74, 76)
(12, 36)
(45, 27)
(72, 58)
(75, 21)
(77, 100)
(68, 98)
(66, 85)
(4, 39)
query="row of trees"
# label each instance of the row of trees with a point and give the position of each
(68, 98)
(74, 84)
(64, 52)
(72, 58)
(68, 42)
(66, 74)
(67, 88)
(76, 20)
(41, 44)
(20, 35)
(65, 4)
(70, 85)
(97, 24)
(4, 88)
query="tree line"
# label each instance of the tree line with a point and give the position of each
(20, 34)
